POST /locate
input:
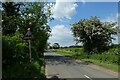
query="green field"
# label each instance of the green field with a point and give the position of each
(108, 59)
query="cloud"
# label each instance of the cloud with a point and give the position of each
(61, 35)
(112, 18)
(64, 9)
(83, 1)
(116, 41)
(118, 15)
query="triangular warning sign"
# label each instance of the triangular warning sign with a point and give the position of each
(28, 35)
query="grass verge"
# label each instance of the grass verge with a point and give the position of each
(107, 59)
(113, 67)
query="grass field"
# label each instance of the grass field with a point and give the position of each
(108, 59)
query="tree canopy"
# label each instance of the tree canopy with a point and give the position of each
(17, 17)
(56, 46)
(11, 17)
(94, 34)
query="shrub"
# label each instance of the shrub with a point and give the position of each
(15, 50)
(15, 58)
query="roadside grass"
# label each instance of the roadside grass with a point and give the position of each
(110, 66)
(108, 59)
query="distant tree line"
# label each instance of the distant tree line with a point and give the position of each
(54, 46)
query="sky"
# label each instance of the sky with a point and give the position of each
(66, 13)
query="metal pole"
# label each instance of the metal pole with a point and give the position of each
(30, 50)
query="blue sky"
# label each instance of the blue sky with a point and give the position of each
(66, 13)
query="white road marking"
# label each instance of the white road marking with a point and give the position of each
(87, 77)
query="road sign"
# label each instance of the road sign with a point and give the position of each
(28, 35)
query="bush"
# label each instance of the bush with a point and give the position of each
(110, 56)
(15, 58)
(29, 70)
(15, 50)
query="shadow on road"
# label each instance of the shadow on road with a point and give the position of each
(55, 59)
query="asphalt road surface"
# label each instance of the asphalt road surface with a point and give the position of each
(65, 68)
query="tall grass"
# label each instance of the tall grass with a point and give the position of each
(107, 59)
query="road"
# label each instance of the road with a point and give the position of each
(65, 68)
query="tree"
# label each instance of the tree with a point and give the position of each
(10, 17)
(30, 15)
(36, 18)
(94, 34)
(56, 46)
(15, 49)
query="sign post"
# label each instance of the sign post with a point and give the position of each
(28, 36)
(30, 49)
